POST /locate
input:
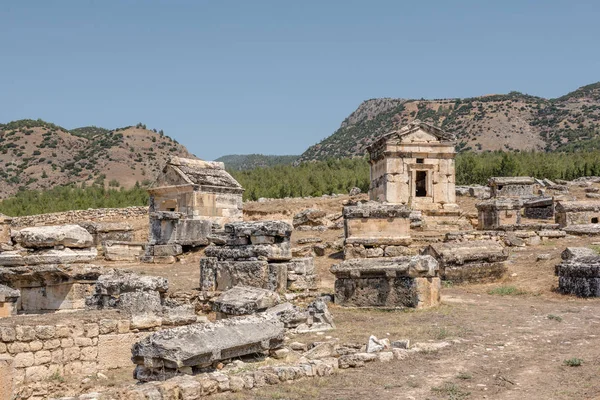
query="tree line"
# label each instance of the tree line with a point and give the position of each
(314, 179)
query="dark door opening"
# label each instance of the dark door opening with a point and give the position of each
(595, 220)
(421, 184)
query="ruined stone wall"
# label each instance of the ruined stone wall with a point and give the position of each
(67, 345)
(73, 216)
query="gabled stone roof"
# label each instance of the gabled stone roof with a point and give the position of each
(202, 173)
(413, 127)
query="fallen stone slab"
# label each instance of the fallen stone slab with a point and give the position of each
(244, 300)
(583, 230)
(309, 217)
(574, 253)
(122, 251)
(73, 236)
(190, 347)
(48, 256)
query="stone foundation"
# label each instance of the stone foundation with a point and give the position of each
(579, 276)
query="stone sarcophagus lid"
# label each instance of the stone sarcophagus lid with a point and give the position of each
(414, 166)
(390, 282)
(512, 186)
(474, 261)
(187, 349)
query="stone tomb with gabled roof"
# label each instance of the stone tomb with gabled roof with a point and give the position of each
(188, 197)
(414, 166)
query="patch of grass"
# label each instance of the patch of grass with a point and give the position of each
(596, 248)
(452, 391)
(573, 362)
(557, 318)
(464, 376)
(506, 291)
(447, 284)
(441, 333)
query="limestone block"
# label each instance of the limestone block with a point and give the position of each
(73, 236)
(7, 371)
(201, 345)
(122, 251)
(573, 253)
(48, 256)
(242, 300)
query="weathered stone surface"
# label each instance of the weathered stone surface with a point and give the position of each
(201, 345)
(577, 213)
(309, 217)
(259, 228)
(475, 261)
(583, 230)
(496, 212)
(8, 300)
(122, 251)
(512, 186)
(416, 266)
(574, 253)
(6, 377)
(104, 231)
(579, 276)
(73, 236)
(48, 256)
(271, 252)
(387, 282)
(122, 281)
(243, 300)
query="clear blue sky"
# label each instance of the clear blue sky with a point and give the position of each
(274, 77)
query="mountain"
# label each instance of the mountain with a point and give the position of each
(250, 161)
(35, 154)
(513, 121)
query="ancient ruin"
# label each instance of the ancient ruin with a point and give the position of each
(378, 229)
(497, 212)
(474, 261)
(256, 254)
(512, 186)
(414, 166)
(187, 199)
(579, 274)
(388, 282)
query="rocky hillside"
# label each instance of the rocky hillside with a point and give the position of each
(35, 154)
(250, 161)
(513, 121)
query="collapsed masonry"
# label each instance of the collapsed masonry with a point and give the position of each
(190, 349)
(579, 272)
(256, 254)
(187, 199)
(244, 300)
(48, 265)
(476, 261)
(394, 282)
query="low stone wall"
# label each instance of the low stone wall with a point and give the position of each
(69, 217)
(518, 238)
(74, 344)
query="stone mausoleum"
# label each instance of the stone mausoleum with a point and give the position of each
(414, 166)
(187, 199)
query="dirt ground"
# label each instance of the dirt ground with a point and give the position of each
(510, 340)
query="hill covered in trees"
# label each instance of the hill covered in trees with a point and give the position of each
(509, 122)
(251, 161)
(38, 155)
